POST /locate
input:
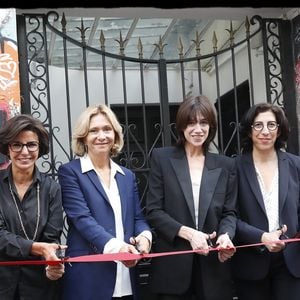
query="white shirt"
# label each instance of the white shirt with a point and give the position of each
(196, 182)
(123, 284)
(270, 200)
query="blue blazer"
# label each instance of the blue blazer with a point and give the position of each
(253, 263)
(91, 225)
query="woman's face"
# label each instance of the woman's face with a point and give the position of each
(196, 132)
(265, 138)
(24, 150)
(101, 136)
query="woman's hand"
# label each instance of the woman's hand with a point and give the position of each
(141, 243)
(55, 272)
(129, 249)
(225, 246)
(200, 241)
(48, 251)
(272, 239)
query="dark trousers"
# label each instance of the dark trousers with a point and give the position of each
(194, 289)
(278, 285)
(198, 290)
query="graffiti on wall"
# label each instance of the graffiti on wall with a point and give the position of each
(9, 69)
(296, 25)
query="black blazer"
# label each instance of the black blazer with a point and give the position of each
(169, 205)
(253, 263)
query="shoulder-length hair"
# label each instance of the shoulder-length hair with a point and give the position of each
(188, 111)
(249, 117)
(19, 123)
(82, 126)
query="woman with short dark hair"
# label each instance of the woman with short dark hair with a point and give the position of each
(268, 208)
(31, 214)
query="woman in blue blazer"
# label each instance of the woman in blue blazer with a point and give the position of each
(191, 202)
(102, 206)
(268, 209)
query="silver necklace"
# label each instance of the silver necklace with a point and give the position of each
(19, 215)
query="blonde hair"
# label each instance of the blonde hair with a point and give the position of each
(82, 126)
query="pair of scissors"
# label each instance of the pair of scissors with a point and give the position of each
(134, 242)
(60, 253)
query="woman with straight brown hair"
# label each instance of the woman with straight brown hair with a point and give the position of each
(191, 205)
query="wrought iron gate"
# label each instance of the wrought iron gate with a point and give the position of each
(151, 124)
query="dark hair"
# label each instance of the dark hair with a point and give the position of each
(19, 123)
(188, 111)
(248, 119)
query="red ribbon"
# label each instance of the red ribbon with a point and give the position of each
(122, 256)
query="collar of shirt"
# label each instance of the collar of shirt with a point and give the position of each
(7, 174)
(87, 165)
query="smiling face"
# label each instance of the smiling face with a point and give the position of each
(264, 139)
(196, 132)
(101, 136)
(24, 160)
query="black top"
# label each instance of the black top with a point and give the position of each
(13, 242)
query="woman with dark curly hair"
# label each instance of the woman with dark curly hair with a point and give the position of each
(268, 208)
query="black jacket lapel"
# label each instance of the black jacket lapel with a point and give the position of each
(210, 177)
(180, 166)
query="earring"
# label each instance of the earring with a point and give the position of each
(86, 148)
